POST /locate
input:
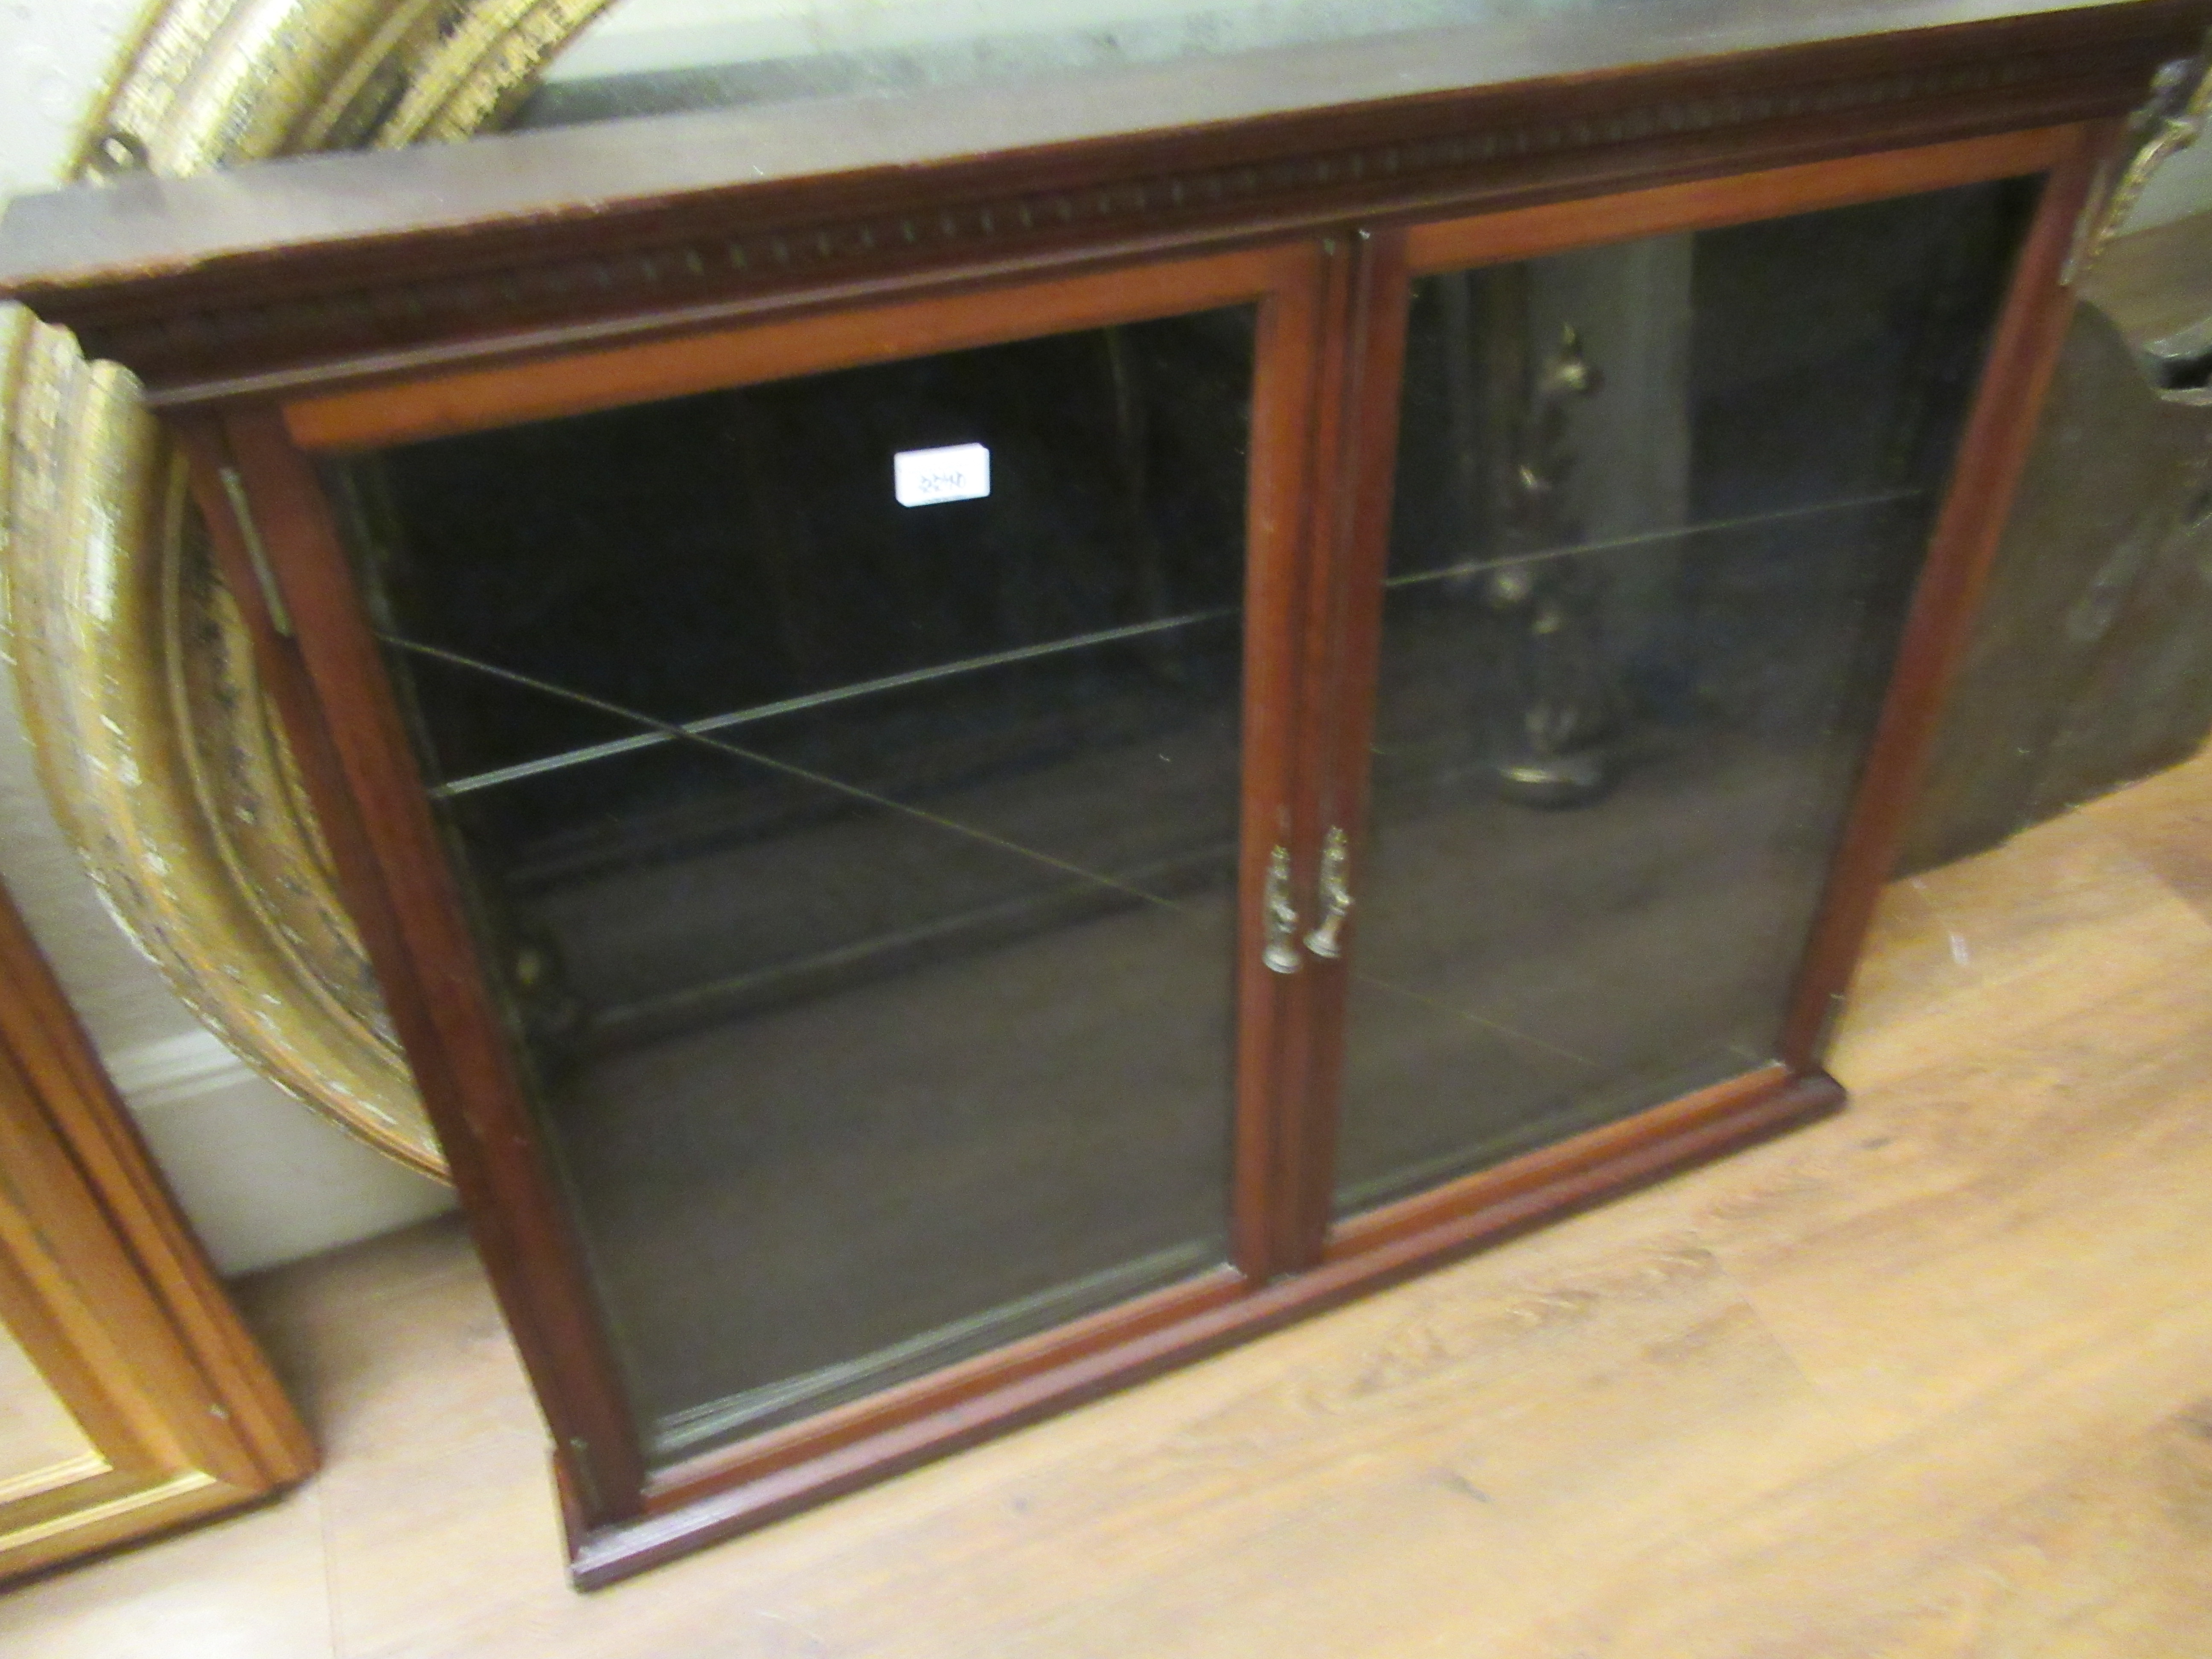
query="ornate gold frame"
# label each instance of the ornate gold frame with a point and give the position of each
(138, 687)
(117, 1315)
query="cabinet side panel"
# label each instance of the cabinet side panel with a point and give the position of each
(354, 752)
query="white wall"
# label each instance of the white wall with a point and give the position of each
(263, 1179)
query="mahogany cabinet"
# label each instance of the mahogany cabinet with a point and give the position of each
(987, 740)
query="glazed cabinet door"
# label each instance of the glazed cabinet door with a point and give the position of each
(852, 752)
(1620, 631)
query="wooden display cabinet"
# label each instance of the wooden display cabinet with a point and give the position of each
(987, 740)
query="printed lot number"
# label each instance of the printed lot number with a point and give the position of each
(958, 473)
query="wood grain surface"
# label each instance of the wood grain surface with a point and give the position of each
(135, 1399)
(1934, 1378)
(37, 1433)
(335, 268)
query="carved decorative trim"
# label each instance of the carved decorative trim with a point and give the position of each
(165, 766)
(738, 245)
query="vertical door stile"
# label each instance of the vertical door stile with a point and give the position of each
(2001, 424)
(1354, 476)
(1301, 337)
(351, 743)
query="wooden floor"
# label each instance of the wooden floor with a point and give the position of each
(1932, 1377)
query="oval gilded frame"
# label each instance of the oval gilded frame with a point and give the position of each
(155, 743)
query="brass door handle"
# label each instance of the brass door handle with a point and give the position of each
(1334, 887)
(1280, 951)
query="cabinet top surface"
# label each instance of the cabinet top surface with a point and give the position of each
(149, 227)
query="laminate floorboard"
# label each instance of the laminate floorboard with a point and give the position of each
(1930, 1378)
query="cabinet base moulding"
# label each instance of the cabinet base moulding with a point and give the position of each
(722, 1496)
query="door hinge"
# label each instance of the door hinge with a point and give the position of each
(256, 553)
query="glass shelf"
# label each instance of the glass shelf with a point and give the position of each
(1660, 508)
(860, 877)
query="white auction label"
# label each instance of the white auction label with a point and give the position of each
(958, 472)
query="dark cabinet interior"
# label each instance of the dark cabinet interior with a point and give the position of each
(1658, 512)
(966, 791)
(912, 827)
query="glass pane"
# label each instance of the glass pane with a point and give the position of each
(846, 771)
(1659, 510)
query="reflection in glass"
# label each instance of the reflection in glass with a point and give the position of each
(860, 876)
(1659, 510)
